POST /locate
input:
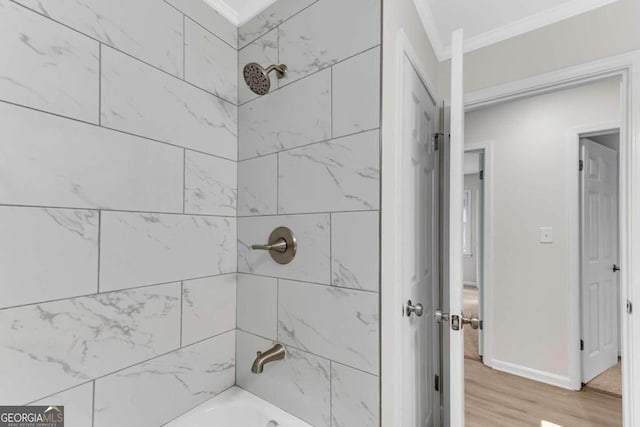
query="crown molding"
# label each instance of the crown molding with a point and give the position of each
(243, 15)
(516, 28)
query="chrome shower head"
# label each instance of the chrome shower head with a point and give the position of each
(257, 78)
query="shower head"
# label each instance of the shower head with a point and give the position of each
(257, 78)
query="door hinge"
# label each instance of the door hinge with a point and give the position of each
(581, 345)
(481, 175)
(436, 140)
(455, 322)
(581, 165)
(629, 307)
(437, 383)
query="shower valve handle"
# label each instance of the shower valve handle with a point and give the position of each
(279, 246)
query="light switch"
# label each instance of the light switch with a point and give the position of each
(546, 235)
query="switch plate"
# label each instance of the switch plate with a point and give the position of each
(546, 235)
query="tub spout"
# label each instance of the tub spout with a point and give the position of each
(276, 352)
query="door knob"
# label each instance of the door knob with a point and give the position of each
(440, 317)
(615, 268)
(416, 309)
(472, 321)
(282, 245)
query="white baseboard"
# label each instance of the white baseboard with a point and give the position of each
(530, 373)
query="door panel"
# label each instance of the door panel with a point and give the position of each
(455, 276)
(599, 248)
(418, 251)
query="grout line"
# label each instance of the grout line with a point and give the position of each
(278, 310)
(100, 84)
(186, 215)
(330, 390)
(181, 309)
(279, 23)
(331, 249)
(93, 404)
(99, 247)
(310, 352)
(289, 83)
(206, 29)
(305, 213)
(111, 291)
(331, 106)
(184, 48)
(277, 183)
(111, 129)
(324, 141)
(312, 283)
(184, 181)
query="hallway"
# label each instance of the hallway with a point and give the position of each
(495, 399)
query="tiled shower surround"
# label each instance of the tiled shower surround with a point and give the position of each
(136, 169)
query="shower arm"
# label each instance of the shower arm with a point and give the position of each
(280, 69)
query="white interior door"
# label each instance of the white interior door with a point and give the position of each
(599, 253)
(418, 251)
(456, 188)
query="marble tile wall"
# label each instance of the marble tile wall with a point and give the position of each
(309, 160)
(118, 207)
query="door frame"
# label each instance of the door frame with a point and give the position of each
(573, 179)
(486, 291)
(395, 361)
(627, 68)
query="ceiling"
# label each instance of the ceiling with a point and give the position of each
(239, 11)
(489, 21)
(484, 21)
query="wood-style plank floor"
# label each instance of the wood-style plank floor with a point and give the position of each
(497, 399)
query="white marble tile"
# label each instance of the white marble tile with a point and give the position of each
(47, 254)
(356, 94)
(47, 66)
(210, 63)
(49, 161)
(264, 51)
(299, 384)
(208, 307)
(152, 393)
(348, 336)
(295, 115)
(125, 25)
(355, 398)
(311, 262)
(338, 175)
(207, 16)
(258, 305)
(211, 185)
(141, 100)
(270, 18)
(328, 32)
(77, 402)
(354, 250)
(57, 345)
(258, 186)
(141, 249)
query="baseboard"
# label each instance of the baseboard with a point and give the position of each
(530, 373)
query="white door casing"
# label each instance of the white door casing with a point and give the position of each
(599, 252)
(456, 187)
(418, 250)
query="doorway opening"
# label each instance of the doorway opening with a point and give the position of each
(472, 246)
(600, 328)
(518, 261)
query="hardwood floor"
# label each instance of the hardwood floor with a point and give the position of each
(497, 399)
